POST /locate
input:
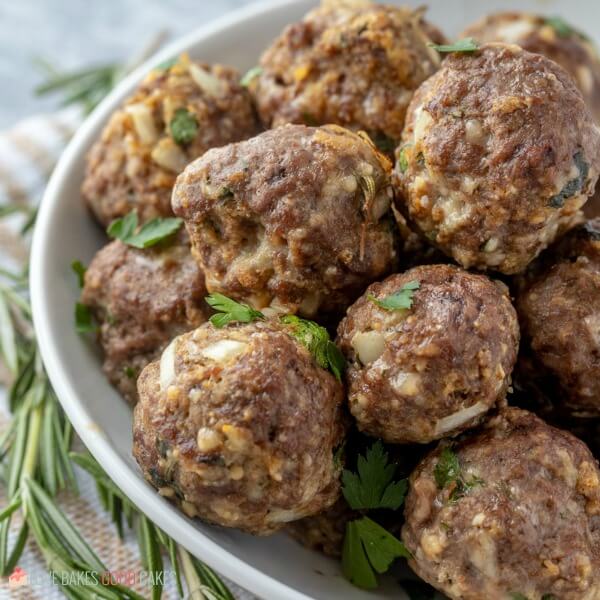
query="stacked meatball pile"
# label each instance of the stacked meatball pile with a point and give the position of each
(427, 207)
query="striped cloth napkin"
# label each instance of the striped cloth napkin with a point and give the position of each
(28, 153)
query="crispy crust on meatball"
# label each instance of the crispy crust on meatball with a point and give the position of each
(433, 370)
(136, 160)
(559, 309)
(520, 517)
(297, 218)
(572, 50)
(239, 426)
(499, 154)
(141, 300)
(355, 65)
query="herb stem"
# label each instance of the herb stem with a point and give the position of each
(194, 585)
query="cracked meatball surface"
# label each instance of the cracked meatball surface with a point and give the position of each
(297, 218)
(356, 64)
(142, 299)
(434, 369)
(513, 511)
(559, 309)
(551, 37)
(499, 154)
(239, 426)
(176, 114)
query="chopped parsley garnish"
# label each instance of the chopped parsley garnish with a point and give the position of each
(373, 486)
(166, 64)
(84, 321)
(79, 269)
(369, 548)
(466, 45)
(447, 472)
(400, 300)
(572, 186)
(317, 341)
(129, 372)
(562, 28)
(154, 231)
(250, 75)
(183, 126)
(402, 160)
(230, 311)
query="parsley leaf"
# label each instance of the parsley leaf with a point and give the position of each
(84, 321)
(79, 269)
(149, 234)
(183, 126)
(402, 160)
(400, 300)
(466, 45)
(447, 471)
(563, 29)
(250, 75)
(317, 341)
(368, 547)
(372, 486)
(230, 311)
(573, 186)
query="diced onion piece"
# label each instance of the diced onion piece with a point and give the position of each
(206, 81)
(460, 417)
(369, 345)
(169, 156)
(167, 366)
(224, 350)
(281, 515)
(143, 122)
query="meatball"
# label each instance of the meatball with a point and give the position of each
(239, 425)
(499, 154)
(177, 113)
(559, 310)
(553, 38)
(510, 512)
(141, 300)
(432, 370)
(297, 218)
(325, 531)
(356, 65)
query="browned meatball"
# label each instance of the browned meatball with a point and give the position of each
(175, 115)
(499, 154)
(432, 370)
(512, 512)
(141, 300)
(325, 531)
(297, 217)
(552, 37)
(356, 64)
(559, 310)
(239, 425)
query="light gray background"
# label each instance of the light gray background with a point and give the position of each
(76, 33)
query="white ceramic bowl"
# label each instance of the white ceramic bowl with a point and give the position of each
(274, 568)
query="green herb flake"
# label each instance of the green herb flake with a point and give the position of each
(129, 372)
(230, 311)
(400, 300)
(317, 341)
(373, 486)
(250, 75)
(465, 45)
(573, 186)
(79, 269)
(183, 126)
(166, 64)
(369, 548)
(447, 473)
(151, 233)
(84, 320)
(562, 28)
(402, 160)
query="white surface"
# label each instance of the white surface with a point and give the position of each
(275, 568)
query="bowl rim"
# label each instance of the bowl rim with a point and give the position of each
(173, 522)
